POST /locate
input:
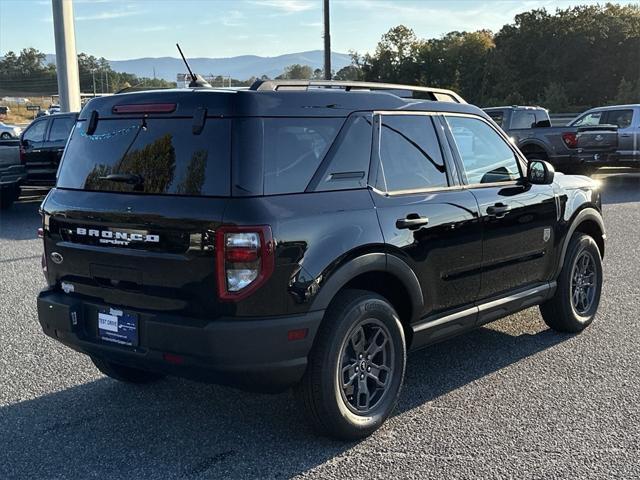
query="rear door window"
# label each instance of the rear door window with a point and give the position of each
(60, 129)
(620, 118)
(410, 155)
(163, 154)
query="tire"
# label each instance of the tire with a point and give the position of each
(568, 311)
(125, 374)
(8, 195)
(5, 136)
(354, 319)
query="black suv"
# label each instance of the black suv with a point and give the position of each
(304, 234)
(41, 147)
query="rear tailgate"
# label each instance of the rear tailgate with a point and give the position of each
(120, 250)
(137, 198)
(601, 138)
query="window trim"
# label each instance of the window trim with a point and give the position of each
(520, 160)
(376, 160)
(321, 171)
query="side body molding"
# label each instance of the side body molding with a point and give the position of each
(371, 262)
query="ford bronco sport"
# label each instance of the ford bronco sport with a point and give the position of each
(304, 234)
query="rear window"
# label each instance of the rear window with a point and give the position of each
(523, 119)
(163, 154)
(279, 155)
(498, 117)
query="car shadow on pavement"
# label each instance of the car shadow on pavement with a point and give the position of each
(21, 221)
(180, 429)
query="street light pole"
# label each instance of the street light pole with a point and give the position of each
(66, 58)
(327, 42)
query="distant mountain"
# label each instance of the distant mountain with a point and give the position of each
(241, 68)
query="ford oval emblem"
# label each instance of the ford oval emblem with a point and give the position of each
(56, 257)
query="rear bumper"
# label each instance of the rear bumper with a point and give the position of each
(597, 159)
(252, 354)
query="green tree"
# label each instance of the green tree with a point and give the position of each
(194, 178)
(555, 98)
(628, 92)
(296, 72)
(349, 73)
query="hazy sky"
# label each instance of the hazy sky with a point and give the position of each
(121, 29)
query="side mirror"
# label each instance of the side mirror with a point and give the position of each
(540, 172)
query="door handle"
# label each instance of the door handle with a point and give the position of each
(413, 221)
(498, 210)
(625, 135)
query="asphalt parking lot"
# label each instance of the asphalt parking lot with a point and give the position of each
(513, 400)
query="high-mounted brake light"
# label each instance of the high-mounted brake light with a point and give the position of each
(570, 139)
(244, 260)
(145, 108)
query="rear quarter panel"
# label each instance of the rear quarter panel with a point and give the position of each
(314, 233)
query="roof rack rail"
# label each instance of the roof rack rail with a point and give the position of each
(439, 94)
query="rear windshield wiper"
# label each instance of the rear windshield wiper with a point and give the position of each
(129, 178)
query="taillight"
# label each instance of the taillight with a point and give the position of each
(570, 139)
(145, 108)
(43, 259)
(23, 156)
(244, 260)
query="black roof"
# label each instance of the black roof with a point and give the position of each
(288, 98)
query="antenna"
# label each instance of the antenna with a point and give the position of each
(193, 77)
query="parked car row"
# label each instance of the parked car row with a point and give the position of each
(33, 159)
(603, 136)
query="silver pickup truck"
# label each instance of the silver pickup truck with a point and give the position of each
(627, 119)
(12, 172)
(571, 149)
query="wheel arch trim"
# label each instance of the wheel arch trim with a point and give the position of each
(584, 215)
(371, 262)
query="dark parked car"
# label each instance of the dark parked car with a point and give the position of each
(571, 149)
(41, 147)
(12, 174)
(305, 234)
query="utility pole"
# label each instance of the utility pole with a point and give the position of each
(66, 58)
(93, 78)
(327, 42)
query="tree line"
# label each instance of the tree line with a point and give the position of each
(27, 73)
(568, 60)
